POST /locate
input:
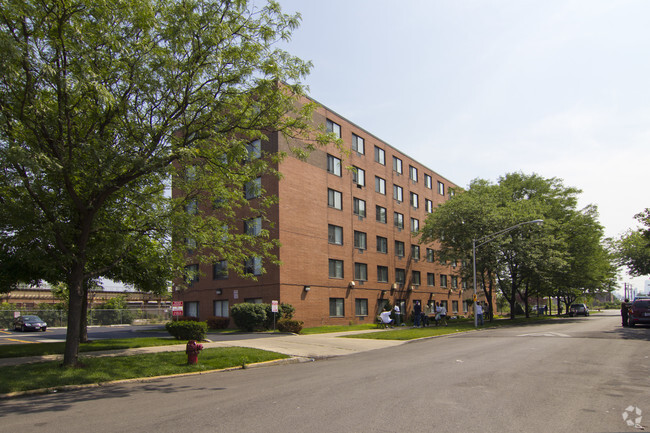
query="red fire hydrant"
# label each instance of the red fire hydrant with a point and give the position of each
(192, 349)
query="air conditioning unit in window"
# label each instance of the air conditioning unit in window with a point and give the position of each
(394, 286)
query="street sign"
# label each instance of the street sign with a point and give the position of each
(177, 308)
(274, 306)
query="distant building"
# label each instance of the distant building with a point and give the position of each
(347, 236)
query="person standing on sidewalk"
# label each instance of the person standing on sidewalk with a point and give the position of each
(417, 314)
(479, 313)
(396, 314)
(625, 307)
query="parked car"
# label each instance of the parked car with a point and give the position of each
(29, 323)
(578, 310)
(639, 311)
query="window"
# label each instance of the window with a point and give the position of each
(360, 307)
(358, 176)
(333, 165)
(380, 155)
(400, 276)
(382, 274)
(415, 225)
(334, 127)
(336, 268)
(454, 282)
(359, 207)
(253, 226)
(253, 266)
(380, 185)
(191, 308)
(398, 193)
(397, 165)
(429, 255)
(431, 279)
(428, 182)
(220, 270)
(336, 307)
(443, 281)
(454, 307)
(221, 308)
(190, 244)
(415, 278)
(413, 173)
(361, 272)
(398, 219)
(360, 240)
(334, 199)
(191, 274)
(441, 188)
(253, 188)
(428, 205)
(254, 150)
(192, 207)
(399, 248)
(335, 234)
(382, 244)
(415, 202)
(358, 144)
(415, 252)
(381, 214)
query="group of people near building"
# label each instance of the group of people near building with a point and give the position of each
(436, 312)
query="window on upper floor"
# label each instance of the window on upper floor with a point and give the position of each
(358, 176)
(398, 193)
(441, 188)
(253, 188)
(359, 207)
(428, 182)
(429, 255)
(253, 266)
(415, 278)
(415, 202)
(254, 150)
(398, 220)
(399, 249)
(358, 144)
(382, 274)
(380, 185)
(428, 205)
(415, 252)
(360, 240)
(382, 244)
(333, 165)
(334, 199)
(335, 234)
(334, 127)
(380, 155)
(400, 276)
(220, 270)
(361, 272)
(381, 214)
(413, 173)
(415, 225)
(397, 165)
(253, 226)
(335, 268)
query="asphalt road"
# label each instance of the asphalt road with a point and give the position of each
(575, 376)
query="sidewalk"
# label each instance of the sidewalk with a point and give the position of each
(317, 346)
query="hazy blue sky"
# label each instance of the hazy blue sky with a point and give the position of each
(477, 89)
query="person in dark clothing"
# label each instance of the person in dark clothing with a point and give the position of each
(417, 314)
(625, 306)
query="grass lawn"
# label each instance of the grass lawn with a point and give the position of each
(104, 369)
(39, 349)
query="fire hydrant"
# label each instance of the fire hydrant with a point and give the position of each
(192, 349)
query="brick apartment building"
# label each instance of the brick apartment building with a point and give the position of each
(347, 242)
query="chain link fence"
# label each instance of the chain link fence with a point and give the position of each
(96, 317)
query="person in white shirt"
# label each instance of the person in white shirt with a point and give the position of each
(479, 313)
(385, 318)
(396, 315)
(442, 314)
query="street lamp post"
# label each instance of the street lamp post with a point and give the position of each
(484, 240)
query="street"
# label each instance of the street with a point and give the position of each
(576, 375)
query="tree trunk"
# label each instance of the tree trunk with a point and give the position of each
(75, 285)
(83, 322)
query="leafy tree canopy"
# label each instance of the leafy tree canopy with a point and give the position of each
(633, 248)
(102, 102)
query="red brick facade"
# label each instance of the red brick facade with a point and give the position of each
(302, 224)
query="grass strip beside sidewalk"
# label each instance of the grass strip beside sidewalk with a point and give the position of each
(95, 370)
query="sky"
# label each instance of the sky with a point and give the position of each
(478, 89)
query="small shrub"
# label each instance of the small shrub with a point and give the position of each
(290, 325)
(218, 322)
(187, 330)
(285, 311)
(249, 317)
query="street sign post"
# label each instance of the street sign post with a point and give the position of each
(177, 308)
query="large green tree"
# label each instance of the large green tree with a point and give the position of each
(101, 103)
(523, 260)
(634, 247)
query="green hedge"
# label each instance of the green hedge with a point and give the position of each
(289, 325)
(187, 330)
